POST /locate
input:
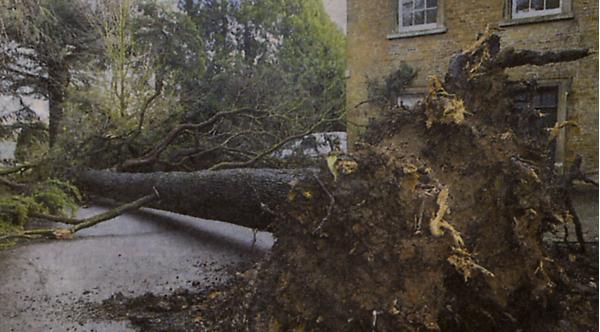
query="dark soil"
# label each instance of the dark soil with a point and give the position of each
(226, 307)
(197, 308)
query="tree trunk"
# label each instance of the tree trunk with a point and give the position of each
(239, 196)
(57, 84)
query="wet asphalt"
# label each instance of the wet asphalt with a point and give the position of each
(46, 285)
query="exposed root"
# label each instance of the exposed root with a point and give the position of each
(465, 264)
(329, 207)
(459, 161)
(437, 225)
(555, 131)
(443, 107)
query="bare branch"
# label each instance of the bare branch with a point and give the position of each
(18, 187)
(17, 169)
(273, 148)
(154, 154)
(80, 224)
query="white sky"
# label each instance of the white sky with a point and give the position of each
(337, 11)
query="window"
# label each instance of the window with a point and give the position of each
(545, 101)
(418, 18)
(532, 11)
(409, 100)
(418, 14)
(531, 8)
(549, 100)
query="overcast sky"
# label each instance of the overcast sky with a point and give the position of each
(337, 10)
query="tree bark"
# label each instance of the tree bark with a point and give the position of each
(510, 57)
(57, 84)
(243, 197)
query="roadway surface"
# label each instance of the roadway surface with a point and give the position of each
(44, 285)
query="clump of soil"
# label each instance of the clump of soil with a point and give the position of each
(214, 306)
(435, 222)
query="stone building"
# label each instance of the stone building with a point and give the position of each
(383, 34)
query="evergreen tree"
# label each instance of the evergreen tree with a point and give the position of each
(41, 42)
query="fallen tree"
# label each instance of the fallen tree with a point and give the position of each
(435, 222)
(238, 196)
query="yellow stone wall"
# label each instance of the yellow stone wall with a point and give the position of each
(372, 54)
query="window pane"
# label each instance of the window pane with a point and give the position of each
(548, 119)
(537, 99)
(407, 8)
(419, 4)
(431, 16)
(406, 18)
(431, 3)
(549, 98)
(537, 4)
(552, 4)
(522, 5)
(419, 17)
(521, 98)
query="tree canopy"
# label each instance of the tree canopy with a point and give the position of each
(240, 77)
(163, 85)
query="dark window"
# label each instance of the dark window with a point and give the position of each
(552, 4)
(544, 100)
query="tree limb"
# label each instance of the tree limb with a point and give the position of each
(78, 225)
(509, 57)
(16, 169)
(575, 172)
(153, 154)
(273, 148)
(18, 187)
(60, 219)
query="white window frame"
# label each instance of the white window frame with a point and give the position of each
(419, 27)
(511, 17)
(410, 99)
(412, 96)
(536, 13)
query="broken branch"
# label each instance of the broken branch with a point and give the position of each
(83, 223)
(509, 57)
(16, 169)
(18, 187)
